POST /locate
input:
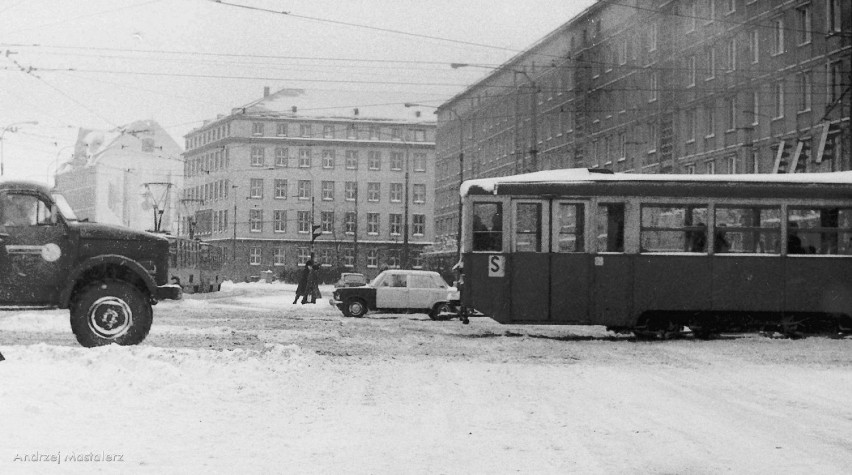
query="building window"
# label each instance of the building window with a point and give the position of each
(257, 156)
(373, 191)
(351, 159)
(326, 257)
(689, 169)
(805, 81)
(372, 258)
(393, 258)
(731, 113)
(803, 24)
(350, 190)
(692, 70)
(280, 189)
(373, 223)
(711, 63)
(282, 156)
(396, 134)
(731, 54)
(755, 107)
(304, 254)
(348, 257)
(420, 162)
(279, 219)
(303, 218)
(419, 194)
(255, 220)
(732, 164)
(754, 37)
(835, 82)
(304, 158)
(419, 135)
(304, 130)
(711, 167)
(396, 192)
(779, 99)
(351, 132)
(256, 188)
(833, 18)
(419, 221)
(278, 256)
(349, 222)
(375, 133)
(257, 128)
(305, 189)
(374, 160)
(710, 121)
(327, 222)
(254, 256)
(689, 15)
(689, 125)
(328, 159)
(328, 131)
(652, 37)
(395, 223)
(654, 86)
(281, 130)
(396, 161)
(328, 191)
(778, 36)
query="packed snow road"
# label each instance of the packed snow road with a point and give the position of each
(242, 381)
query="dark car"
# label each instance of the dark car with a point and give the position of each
(107, 276)
(351, 279)
(397, 291)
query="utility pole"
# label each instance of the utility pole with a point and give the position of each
(234, 243)
(405, 218)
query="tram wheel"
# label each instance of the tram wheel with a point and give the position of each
(792, 327)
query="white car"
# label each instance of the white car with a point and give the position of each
(398, 290)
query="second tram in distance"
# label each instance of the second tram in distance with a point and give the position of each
(653, 254)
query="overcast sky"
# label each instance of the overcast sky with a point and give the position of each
(105, 63)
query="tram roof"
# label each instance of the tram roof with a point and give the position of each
(550, 180)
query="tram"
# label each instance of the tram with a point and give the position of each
(195, 265)
(655, 254)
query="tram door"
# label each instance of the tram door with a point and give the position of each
(613, 270)
(570, 272)
(530, 266)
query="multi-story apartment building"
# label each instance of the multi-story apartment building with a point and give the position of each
(127, 176)
(659, 86)
(261, 183)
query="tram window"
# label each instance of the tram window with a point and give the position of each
(747, 230)
(670, 228)
(610, 227)
(528, 227)
(571, 220)
(487, 227)
(819, 231)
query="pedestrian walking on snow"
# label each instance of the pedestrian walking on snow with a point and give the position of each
(302, 287)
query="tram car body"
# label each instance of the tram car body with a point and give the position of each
(653, 254)
(195, 265)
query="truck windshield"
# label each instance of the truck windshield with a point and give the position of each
(64, 207)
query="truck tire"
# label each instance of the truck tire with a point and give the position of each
(111, 312)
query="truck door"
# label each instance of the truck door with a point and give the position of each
(35, 251)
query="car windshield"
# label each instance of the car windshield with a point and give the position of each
(375, 282)
(64, 207)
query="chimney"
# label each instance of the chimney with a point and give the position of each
(265, 91)
(294, 109)
(355, 111)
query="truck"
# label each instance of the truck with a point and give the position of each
(109, 277)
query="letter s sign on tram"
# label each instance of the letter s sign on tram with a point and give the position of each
(496, 266)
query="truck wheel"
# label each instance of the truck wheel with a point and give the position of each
(355, 308)
(438, 309)
(111, 312)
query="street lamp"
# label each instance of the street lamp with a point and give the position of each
(461, 169)
(11, 128)
(55, 165)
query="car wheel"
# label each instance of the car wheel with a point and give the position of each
(439, 309)
(356, 308)
(111, 312)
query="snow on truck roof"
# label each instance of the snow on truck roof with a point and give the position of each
(584, 175)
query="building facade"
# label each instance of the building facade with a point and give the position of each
(659, 86)
(261, 184)
(130, 176)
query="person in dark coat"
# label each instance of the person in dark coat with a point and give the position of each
(312, 285)
(302, 287)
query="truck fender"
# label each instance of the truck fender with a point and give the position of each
(121, 261)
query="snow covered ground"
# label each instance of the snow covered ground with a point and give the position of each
(242, 381)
